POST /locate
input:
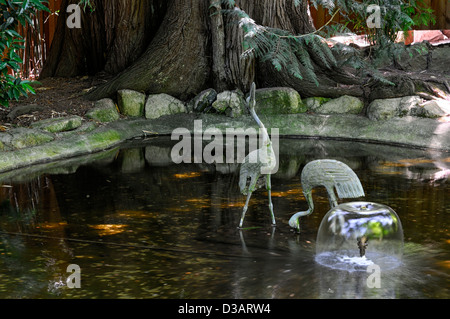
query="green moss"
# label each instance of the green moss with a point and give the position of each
(31, 139)
(104, 139)
(62, 124)
(279, 101)
(104, 115)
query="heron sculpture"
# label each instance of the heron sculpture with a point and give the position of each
(258, 164)
(332, 175)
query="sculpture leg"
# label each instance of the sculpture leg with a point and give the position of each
(269, 187)
(245, 208)
(331, 197)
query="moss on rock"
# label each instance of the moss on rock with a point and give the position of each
(281, 100)
(59, 124)
(104, 111)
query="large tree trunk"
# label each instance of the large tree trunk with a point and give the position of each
(110, 39)
(130, 26)
(212, 57)
(75, 51)
(181, 47)
(177, 61)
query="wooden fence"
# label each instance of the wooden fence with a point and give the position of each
(39, 37)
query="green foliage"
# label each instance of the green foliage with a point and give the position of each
(87, 3)
(296, 53)
(14, 13)
(283, 49)
(396, 15)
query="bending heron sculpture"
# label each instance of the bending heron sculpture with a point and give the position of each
(258, 164)
(332, 175)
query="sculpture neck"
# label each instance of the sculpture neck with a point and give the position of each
(263, 130)
(309, 200)
(294, 222)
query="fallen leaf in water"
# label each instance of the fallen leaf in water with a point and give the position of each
(444, 264)
(109, 229)
(187, 175)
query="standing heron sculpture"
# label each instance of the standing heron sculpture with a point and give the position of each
(258, 164)
(332, 175)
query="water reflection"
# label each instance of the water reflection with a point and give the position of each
(140, 226)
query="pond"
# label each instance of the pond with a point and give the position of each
(139, 226)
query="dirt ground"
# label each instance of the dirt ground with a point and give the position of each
(57, 96)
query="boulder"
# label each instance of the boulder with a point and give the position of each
(314, 103)
(131, 103)
(22, 137)
(158, 105)
(104, 111)
(384, 109)
(342, 105)
(231, 103)
(59, 124)
(432, 109)
(278, 100)
(203, 101)
(408, 104)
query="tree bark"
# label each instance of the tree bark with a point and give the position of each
(73, 51)
(110, 39)
(177, 60)
(217, 28)
(130, 26)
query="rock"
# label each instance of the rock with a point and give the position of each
(5, 141)
(432, 109)
(416, 132)
(22, 137)
(231, 103)
(313, 103)
(86, 127)
(158, 105)
(383, 109)
(407, 106)
(278, 100)
(131, 103)
(203, 101)
(342, 105)
(104, 111)
(59, 124)
(24, 109)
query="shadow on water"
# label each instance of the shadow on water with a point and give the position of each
(140, 226)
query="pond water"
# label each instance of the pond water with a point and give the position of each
(139, 226)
